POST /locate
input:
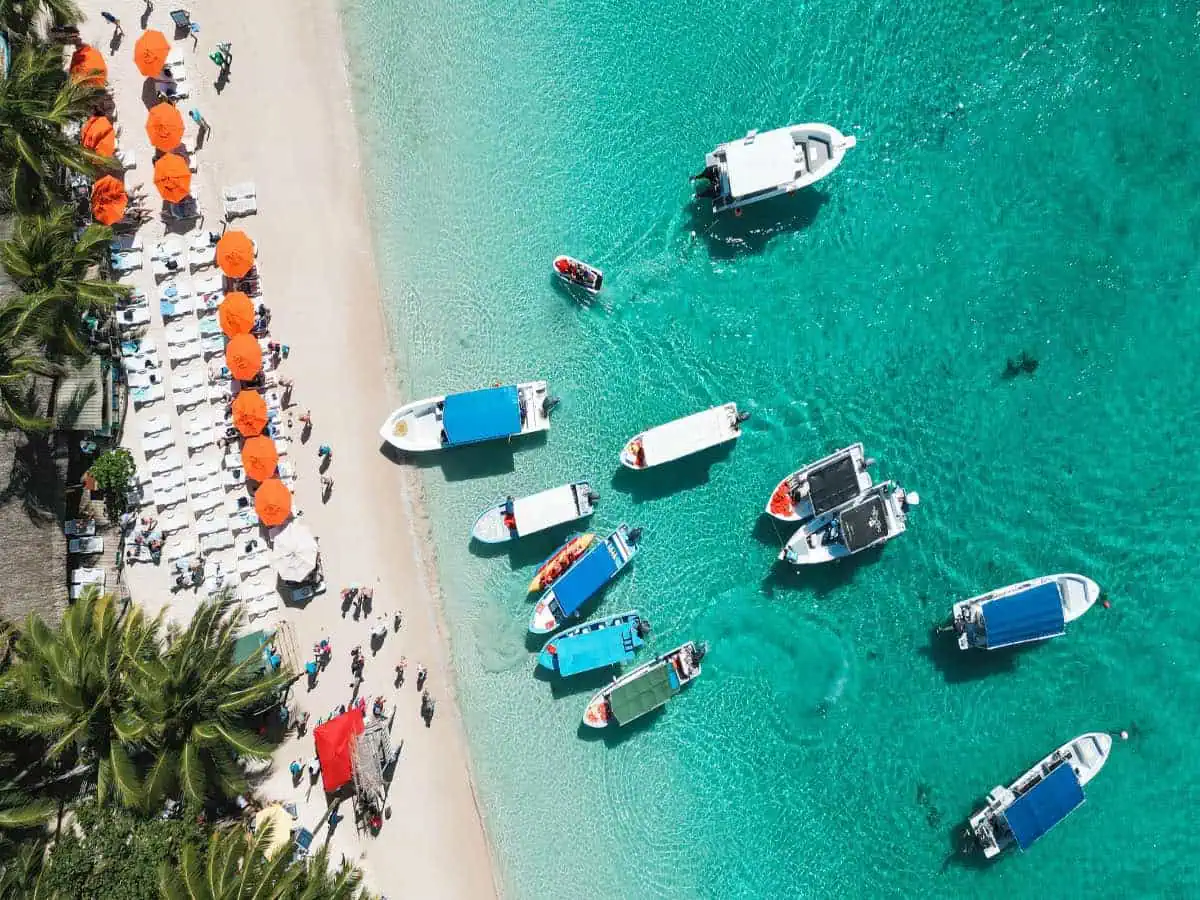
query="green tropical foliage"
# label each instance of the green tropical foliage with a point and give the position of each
(75, 690)
(19, 407)
(237, 864)
(37, 101)
(114, 471)
(54, 269)
(23, 18)
(195, 706)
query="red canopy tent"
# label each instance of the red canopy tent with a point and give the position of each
(334, 740)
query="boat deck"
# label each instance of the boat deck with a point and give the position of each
(596, 649)
(586, 577)
(643, 694)
(482, 415)
(864, 524)
(1044, 805)
(1029, 615)
(833, 484)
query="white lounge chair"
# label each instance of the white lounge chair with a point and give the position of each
(157, 443)
(170, 497)
(85, 545)
(125, 241)
(200, 439)
(185, 379)
(171, 309)
(146, 379)
(203, 470)
(126, 261)
(173, 264)
(203, 248)
(143, 363)
(177, 288)
(168, 462)
(234, 478)
(210, 525)
(243, 520)
(155, 425)
(182, 332)
(179, 550)
(221, 541)
(240, 200)
(254, 562)
(193, 397)
(146, 396)
(173, 521)
(138, 347)
(213, 345)
(239, 191)
(202, 503)
(185, 351)
(209, 283)
(132, 317)
(86, 575)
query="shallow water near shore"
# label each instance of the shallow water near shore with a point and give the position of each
(1023, 182)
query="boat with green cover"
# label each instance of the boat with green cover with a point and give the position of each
(595, 644)
(646, 688)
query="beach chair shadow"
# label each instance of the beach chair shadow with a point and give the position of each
(728, 236)
(670, 478)
(960, 666)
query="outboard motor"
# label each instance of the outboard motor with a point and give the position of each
(868, 462)
(699, 651)
(742, 417)
(593, 497)
(635, 535)
(643, 628)
(549, 403)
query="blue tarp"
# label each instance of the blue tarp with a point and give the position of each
(595, 649)
(1049, 802)
(481, 415)
(1028, 616)
(584, 578)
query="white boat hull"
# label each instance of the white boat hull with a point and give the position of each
(417, 428)
(1086, 754)
(1078, 594)
(790, 501)
(535, 513)
(683, 437)
(813, 543)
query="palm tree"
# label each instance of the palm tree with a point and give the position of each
(196, 705)
(237, 864)
(73, 689)
(52, 268)
(19, 407)
(21, 17)
(37, 100)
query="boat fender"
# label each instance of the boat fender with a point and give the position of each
(912, 498)
(868, 462)
(551, 649)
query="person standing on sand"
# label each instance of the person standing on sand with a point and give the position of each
(400, 667)
(422, 674)
(114, 22)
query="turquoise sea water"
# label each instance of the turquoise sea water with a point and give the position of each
(1024, 181)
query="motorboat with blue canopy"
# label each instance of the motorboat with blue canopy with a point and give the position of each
(1022, 613)
(595, 645)
(586, 577)
(470, 417)
(510, 518)
(1043, 806)
(1027, 809)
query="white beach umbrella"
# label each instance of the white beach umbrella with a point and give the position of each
(295, 552)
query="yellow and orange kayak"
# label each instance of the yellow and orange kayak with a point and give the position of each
(559, 561)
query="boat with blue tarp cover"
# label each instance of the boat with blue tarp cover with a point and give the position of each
(1033, 610)
(1041, 798)
(584, 579)
(595, 644)
(471, 417)
(646, 688)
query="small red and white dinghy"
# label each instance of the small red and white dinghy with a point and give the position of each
(578, 273)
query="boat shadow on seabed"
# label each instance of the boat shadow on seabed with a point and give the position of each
(670, 478)
(614, 736)
(471, 461)
(728, 236)
(959, 666)
(821, 580)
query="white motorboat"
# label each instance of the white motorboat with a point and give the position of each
(455, 420)
(1041, 798)
(1033, 610)
(821, 486)
(683, 437)
(875, 517)
(646, 688)
(510, 519)
(771, 164)
(578, 273)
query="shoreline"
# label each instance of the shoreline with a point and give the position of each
(286, 121)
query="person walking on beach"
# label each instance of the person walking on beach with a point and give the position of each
(326, 488)
(397, 620)
(422, 674)
(400, 667)
(114, 22)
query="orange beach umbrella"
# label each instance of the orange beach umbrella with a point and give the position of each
(243, 357)
(236, 314)
(150, 53)
(88, 66)
(97, 134)
(273, 502)
(109, 201)
(249, 413)
(235, 253)
(164, 126)
(172, 177)
(259, 457)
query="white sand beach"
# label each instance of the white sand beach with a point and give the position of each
(284, 121)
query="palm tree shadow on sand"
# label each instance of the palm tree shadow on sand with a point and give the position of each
(729, 236)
